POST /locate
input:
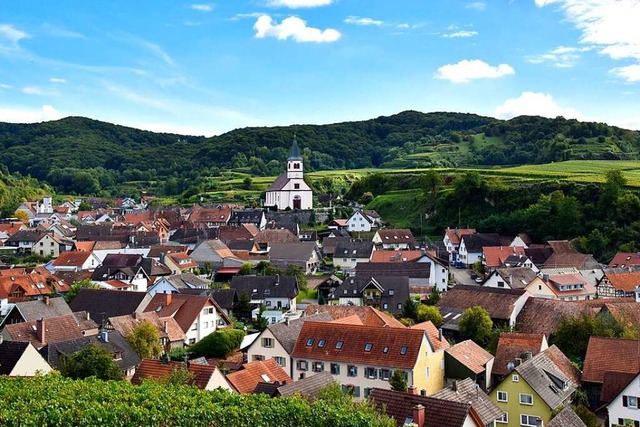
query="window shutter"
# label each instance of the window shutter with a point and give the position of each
(624, 401)
(357, 393)
(636, 424)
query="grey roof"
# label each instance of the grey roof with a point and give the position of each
(247, 216)
(294, 154)
(475, 242)
(279, 183)
(566, 418)
(187, 281)
(103, 303)
(116, 343)
(330, 244)
(25, 236)
(261, 287)
(517, 277)
(395, 290)
(546, 379)
(34, 310)
(287, 334)
(308, 387)
(413, 270)
(467, 391)
(292, 251)
(226, 298)
(354, 249)
(10, 354)
(241, 245)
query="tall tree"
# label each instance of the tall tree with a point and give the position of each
(476, 324)
(145, 341)
(91, 361)
(397, 382)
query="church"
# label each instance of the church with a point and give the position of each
(289, 190)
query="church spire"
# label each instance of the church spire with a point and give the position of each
(294, 154)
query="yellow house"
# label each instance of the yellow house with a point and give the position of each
(361, 358)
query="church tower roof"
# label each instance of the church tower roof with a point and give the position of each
(294, 154)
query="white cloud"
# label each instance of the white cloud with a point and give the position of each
(356, 20)
(202, 7)
(467, 70)
(611, 25)
(476, 5)
(296, 4)
(460, 34)
(534, 104)
(12, 34)
(28, 115)
(57, 80)
(560, 57)
(35, 90)
(64, 33)
(630, 73)
(5, 86)
(295, 28)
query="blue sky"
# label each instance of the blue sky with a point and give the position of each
(206, 68)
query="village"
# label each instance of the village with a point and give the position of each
(474, 329)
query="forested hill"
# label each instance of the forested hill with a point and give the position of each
(81, 155)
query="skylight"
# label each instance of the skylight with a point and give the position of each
(321, 343)
(339, 344)
(310, 342)
(403, 350)
(368, 346)
(385, 350)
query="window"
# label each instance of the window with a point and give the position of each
(526, 399)
(303, 365)
(208, 310)
(501, 284)
(385, 374)
(321, 343)
(339, 344)
(194, 327)
(352, 371)
(281, 361)
(403, 350)
(221, 322)
(502, 396)
(296, 165)
(385, 306)
(367, 392)
(530, 420)
(427, 372)
(335, 368)
(515, 378)
(267, 342)
(192, 341)
(630, 402)
(371, 373)
(317, 366)
(504, 418)
(258, 358)
(399, 306)
(351, 390)
(296, 186)
(310, 342)
(368, 346)
(205, 325)
(391, 292)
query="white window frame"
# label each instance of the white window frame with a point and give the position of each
(629, 405)
(515, 378)
(504, 419)
(506, 396)
(526, 424)
(525, 395)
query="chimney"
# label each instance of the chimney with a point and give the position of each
(454, 386)
(47, 300)
(440, 334)
(412, 390)
(40, 330)
(418, 415)
(88, 315)
(168, 298)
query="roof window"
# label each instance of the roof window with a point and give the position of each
(310, 342)
(368, 346)
(339, 344)
(403, 350)
(321, 343)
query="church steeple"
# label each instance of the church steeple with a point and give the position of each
(294, 154)
(294, 162)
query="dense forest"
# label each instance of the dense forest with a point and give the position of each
(84, 156)
(14, 189)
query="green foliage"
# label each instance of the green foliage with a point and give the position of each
(179, 375)
(429, 312)
(434, 297)
(589, 418)
(219, 344)
(398, 382)
(91, 361)
(410, 309)
(84, 206)
(73, 291)
(30, 402)
(145, 341)
(246, 269)
(299, 273)
(261, 322)
(178, 354)
(476, 324)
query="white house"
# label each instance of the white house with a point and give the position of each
(624, 409)
(21, 359)
(76, 261)
(360, 221)
(289, 190)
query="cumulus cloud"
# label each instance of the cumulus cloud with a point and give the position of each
(294, 28)
(560, 57)
(200, 7)
(297, 4)
(460, 34)
(610, 25)
(467, 70)
(28, 115)
(534, 104)
(12, 34)
(356, 20)
(630, 73)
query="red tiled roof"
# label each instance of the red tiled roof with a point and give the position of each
(368, 315)
(11, 228)
(470, 355)
(127, 323)
(84, 246)
(614, 383)
(627, 282)
(433, 334)
(57, 329)
(610, 354)
(495, 256)
(71, 258)
(395, 256)
(349, 320)
(354, 338)
(455, 234)
(564, 364)
(177, 257)
(625, 259)
(184, 308)
(246, 380)
(512, 345)
(151, 369)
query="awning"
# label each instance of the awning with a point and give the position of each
(228, 270)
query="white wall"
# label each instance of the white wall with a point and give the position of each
(616, 410)
(206, 323)
(358, 223)
(30, 364)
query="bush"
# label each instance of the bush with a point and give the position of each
(476, 324)
(429, 312)
(91, 361)
(219, 344)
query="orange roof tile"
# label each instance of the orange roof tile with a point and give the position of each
(71, 258)
(246, 380)
(455, 234)
(434, 335)
(151, 369)
(349, 320)
(470, 355)
(495, 256)
(625, 259)
(627, 282)
(395, 256)
(512, 345)
(84, 246)
(599, 360)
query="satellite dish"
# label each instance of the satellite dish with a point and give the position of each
(510, 366)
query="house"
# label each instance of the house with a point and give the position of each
(42, 332)
(439, 268)
(75, 261)
(566, 418)
(205, 377)
(408, 409)
(471, 246)
(394, 239)
(309, 387)
(51, 245)
(102, 304)
(618, 284)
(289, 190)
(608, 355)
(565, 287)
(210, 217)
(21, 284)
(112, 341)
(278, 340)
(27, 311)
(510, 278)
(176, 283)
(170, 333)
(301, 254)
(7, 229)
(503, 305)
(565, 256)
(368, 316)
(419, 273)
(254, 217)
(361, 357)
(397, 256)
(452, 239)
(542, 316)
(498, 256)
(254, 373)
(21, 359)
(216, 254)
(329, 245)
(522, 240)
(621, 391)
(274, 292)
(468, 360)
(179, 263)
(268, 237)
(350, 252)
(25, 240)
(197, 315)
(387, 293)
(156, 252)
(466, 391)
(515, 348)
(134, 269)
(339, 224)
(625, 260)
(534, 389)
(363, 221)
